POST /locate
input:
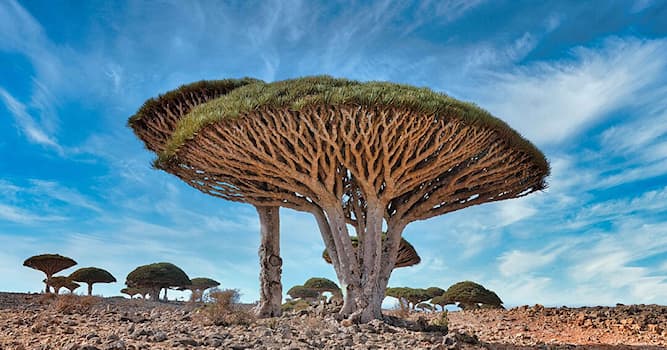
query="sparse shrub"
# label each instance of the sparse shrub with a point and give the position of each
(223, 309)
(441, 320)
(74, 304)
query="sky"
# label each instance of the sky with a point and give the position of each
(584, 81)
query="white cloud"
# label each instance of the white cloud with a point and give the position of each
(27, 124)
(516, 262)
(23, 216)
(551, 101)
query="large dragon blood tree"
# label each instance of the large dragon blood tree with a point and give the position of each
(371, 155)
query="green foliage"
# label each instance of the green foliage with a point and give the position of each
(441, 321)
(158, 275)
(203, 283)
(301, 292)
(185, 92)
(469, 294)
(441, 300)
(305, 92)
(92, 275)
(435, 291)
(321, 284)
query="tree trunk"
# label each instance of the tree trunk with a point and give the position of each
(90, 289)
(154, 294)
(165, 294)
(47, 289)
(271, 289)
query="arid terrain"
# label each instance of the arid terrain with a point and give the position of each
(33, 321)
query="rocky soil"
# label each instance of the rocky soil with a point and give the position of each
(31, 321)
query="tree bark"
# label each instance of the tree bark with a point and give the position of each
(90, 289)
(271, 289)
(165, 294)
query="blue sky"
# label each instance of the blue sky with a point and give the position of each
(585, 81)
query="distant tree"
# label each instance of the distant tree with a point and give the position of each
(198, 286)
(322, 285)
(435, 291)
(49, 264)
(92, 275)
(441, 300)
(424, 307)
(71, 286)
(470, 295)
(57, 283)
(135, 291)
(155, 277)
(410, 296)
(301, 292)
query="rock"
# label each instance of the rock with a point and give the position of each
(185, 341)
(116, 345)
(159, 337)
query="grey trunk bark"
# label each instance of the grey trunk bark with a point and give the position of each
(271, 289)
(90, 289)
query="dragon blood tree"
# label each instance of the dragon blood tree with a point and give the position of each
(154, 124)
(92, 275)
(322, 285)
(58, 282)
(198, 286)
(155, 277)
(49, 264)
(369, 155)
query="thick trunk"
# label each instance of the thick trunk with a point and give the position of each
(47, 290)
(90, 289)
(271, 288)
(154, 294)
(165, 294)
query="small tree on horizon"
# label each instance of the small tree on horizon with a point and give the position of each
(92, 275)
(198, 286)
(157, 276)
(322, 285)
(409, 296)
(301, 292)
(49, 264)
(59, 282)
(470, 295)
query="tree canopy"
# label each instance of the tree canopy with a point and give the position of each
(412, 296)
(301, 292)
(92, 275)
(58, 282)
(469, 294)
(157, 276)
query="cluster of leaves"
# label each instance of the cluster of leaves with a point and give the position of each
(314, 289)
(470, 295)
(54, 263)
(222, 308)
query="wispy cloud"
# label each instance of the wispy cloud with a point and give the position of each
(22, 216)
(27, 124)
(551, 101)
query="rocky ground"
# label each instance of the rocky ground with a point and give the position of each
(31, 321)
